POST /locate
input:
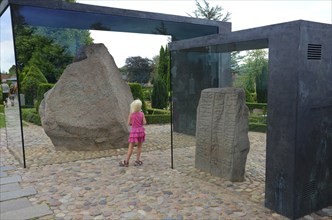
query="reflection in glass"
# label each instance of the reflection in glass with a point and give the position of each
(8, 69)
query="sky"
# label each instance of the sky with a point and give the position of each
(244, 15)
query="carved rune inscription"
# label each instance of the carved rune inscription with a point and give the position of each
(222, 142)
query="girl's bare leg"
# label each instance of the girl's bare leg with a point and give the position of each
(139, 151)
(130, 151)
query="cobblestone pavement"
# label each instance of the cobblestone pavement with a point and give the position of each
(91, 185)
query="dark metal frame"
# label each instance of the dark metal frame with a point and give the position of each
(299, 140)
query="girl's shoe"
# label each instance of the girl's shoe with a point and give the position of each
(138, 163)
(124, 163)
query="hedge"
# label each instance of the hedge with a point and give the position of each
(158, 119)
(258, 127)
(31, 115)
(257, 119)
(253, 105)
(155, 111)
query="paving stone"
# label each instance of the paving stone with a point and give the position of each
(92, 185)
(17, 193)
(14, 204)
(328, 211)
(3, 174)
(10, 179)
(9, 187)
(27, 213)
(6, 168)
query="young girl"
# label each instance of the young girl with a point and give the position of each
(136, 119)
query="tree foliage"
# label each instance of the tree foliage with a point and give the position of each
(137, 92)
(50, 49)
(70, 39)
(159, 97)
(138, 69)
(164, 70)
(261, 85)
(211, 13)
(33, 49)
(255, 64)
(49, 62)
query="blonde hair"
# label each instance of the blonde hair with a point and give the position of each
(136, 106)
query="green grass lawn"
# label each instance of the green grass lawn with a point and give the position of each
(2, 120)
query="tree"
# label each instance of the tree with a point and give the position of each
(164, 70)
(252, 68)
(33, 49)
(51, 49)
(49, 62)
(236, 59)
(159, 97)
(12, 70)
(210, 13)
(139, 69)
(261, 85)
(155, 64)
(30, 84)
(70, 39)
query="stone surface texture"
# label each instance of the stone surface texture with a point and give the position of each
(222, 142)
(87, 109)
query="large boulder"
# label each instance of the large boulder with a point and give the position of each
(222, 141)
(87, 109)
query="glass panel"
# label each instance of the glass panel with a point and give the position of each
(192, 71)
(49, 50)
(8, 74)
(46, 41)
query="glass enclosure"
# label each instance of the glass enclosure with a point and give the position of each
(46, 41)
(12, 112)
(194, 70)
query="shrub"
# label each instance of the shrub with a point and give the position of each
(252, 105)
(31, 115)
(147, 92)
(155, 111)
(42, 89)
(136, 90)
(258, 127)
(158, 119)
(30, 84)
(249, 96)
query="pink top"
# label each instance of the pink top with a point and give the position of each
(136, 119)
(137, 132)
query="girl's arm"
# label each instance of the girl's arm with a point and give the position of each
(129, 120)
